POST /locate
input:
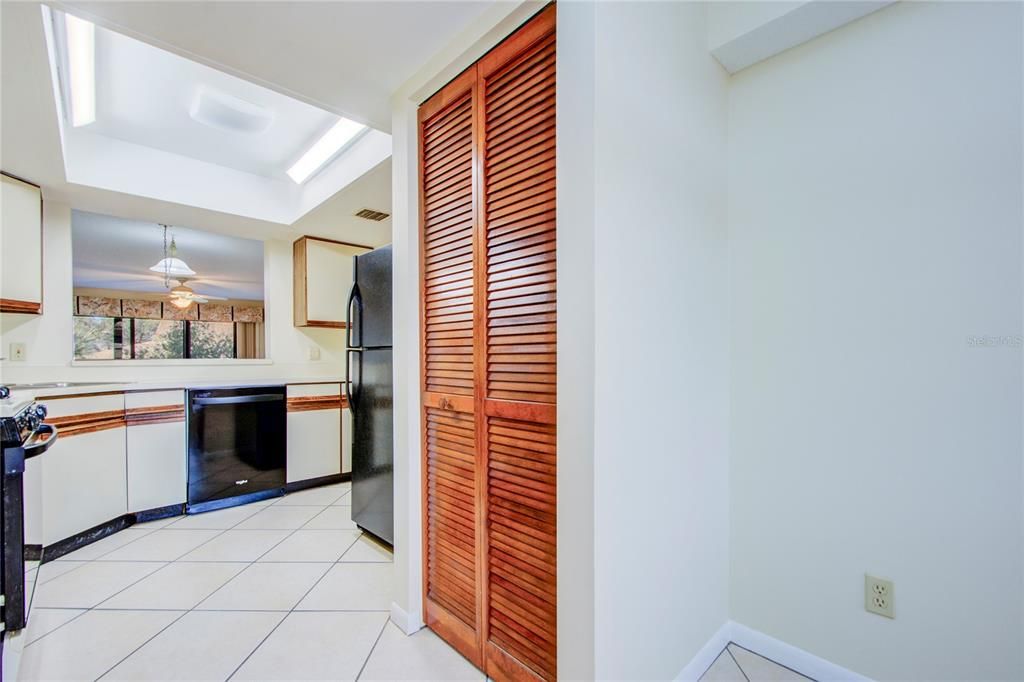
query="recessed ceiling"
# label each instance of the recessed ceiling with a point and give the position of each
(114, 253)
(146, 96)
(326, 67)
(347, 57)
(170, 128)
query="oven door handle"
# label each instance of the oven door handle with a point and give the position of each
(236, 399)
(37, 445)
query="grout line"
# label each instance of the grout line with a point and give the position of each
(713, 664)
(256, 648)
(289, 613)
(738, 666)
(372, 648)
(185, 613)
(770, 660)
(132, 652)
(197, 607)
(89, 561)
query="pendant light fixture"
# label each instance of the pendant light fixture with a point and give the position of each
(170, 266)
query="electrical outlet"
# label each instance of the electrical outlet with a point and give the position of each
(878, 596)
(18, 352)
(314, 353)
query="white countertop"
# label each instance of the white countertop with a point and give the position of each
(28, 392)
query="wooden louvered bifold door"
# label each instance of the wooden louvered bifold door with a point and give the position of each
(517, 98)
(487, 143)
(452, 600)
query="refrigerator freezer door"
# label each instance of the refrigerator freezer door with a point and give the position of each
(372, 448)
(373, 278)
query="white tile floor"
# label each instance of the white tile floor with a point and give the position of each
(287, 589)
(736, 664)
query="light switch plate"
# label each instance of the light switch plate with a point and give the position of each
(18, 352)
(314, 353)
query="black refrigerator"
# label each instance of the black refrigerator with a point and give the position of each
(370, 392)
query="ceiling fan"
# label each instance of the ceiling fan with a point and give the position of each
(177, 270)
(182, 296)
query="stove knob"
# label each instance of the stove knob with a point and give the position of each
(5, 393)
(41, 412)
(34, 421)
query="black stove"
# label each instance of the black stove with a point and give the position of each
(23, 435)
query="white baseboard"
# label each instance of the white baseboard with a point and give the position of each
(406, 622)
(782, 653)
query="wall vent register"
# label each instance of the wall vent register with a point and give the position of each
(370, 214)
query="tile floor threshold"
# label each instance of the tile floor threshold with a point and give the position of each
(738, 664)
(287, 588)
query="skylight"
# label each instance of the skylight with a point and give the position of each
(81, 47)
(340, 134)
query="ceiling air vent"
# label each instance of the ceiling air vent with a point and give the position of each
(370, 214)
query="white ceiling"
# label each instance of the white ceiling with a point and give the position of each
(114, 253)
(346, 57)
(336, 219)
(144, 95)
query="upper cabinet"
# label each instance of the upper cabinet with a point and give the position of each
(323, 277)
(21, 247)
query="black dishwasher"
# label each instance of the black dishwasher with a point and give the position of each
(237, 444)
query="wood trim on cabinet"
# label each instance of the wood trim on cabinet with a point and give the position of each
(89, 422)
(10, 305)
(157, 414)
(317, 402)
(300, 283)
(93, 394)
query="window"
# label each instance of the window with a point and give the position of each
(127, 338)
(158, 339)
(94, 338)
(212, 340)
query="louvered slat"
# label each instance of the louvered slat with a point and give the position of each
(451, 513)
(521, 538)
(448, 248)
(519, 213)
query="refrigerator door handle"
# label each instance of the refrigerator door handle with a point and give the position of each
(353, 297)
(352, 394)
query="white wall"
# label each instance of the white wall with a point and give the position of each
(660, 338)
(574, 66)
(875, 225)
(48, 336)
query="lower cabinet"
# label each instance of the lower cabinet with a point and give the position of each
(128, 452)
(156, 449)
(83, 477)
(314, 431)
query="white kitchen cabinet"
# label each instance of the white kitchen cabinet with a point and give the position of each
(21, 246)
(322, 271)
(156, 449)
(314, 431)
(83, 477)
